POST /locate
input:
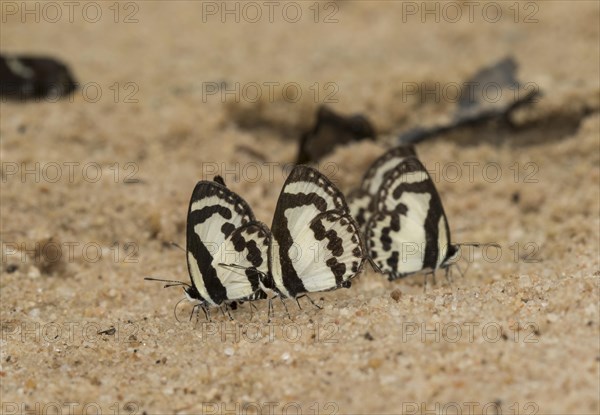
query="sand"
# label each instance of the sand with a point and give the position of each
(110, 178)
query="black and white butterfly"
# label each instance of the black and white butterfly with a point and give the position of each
(362, 200)
(315, 243)
(408, 230)
(222, 227)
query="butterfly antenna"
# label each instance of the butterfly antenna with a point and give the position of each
(234, 266)
(175, 244)
(170, 283)
(478, 244)
(173, 285)
(239, 267)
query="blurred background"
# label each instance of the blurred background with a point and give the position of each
(95, 184)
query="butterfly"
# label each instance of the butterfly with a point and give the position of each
(402, 218)
(408, 230)
(221, 226)
(315, 243)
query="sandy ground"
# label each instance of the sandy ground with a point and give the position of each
(110, 177)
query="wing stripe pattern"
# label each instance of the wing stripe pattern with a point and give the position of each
(335, 243)
(312, 217)
(215, 213)
(282, 235)
(410, 216)
(376, 175)
(362, 200)
(246, 246)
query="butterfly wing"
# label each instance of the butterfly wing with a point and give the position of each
(316, 245)
(215, 212)
(376, 174)
(409, 230)
(335, 255)
(360, 205)
(361, 200)
(247, 247)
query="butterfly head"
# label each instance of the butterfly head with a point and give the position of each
(192, 294)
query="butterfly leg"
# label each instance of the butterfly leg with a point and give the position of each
(448, 275)
(228, 313)
(309, 299)
(206, 312)
(285, 306)
(320, 307)
(191, 313)
(270, 313)
(196, 310)
(425, 284)
(460, 271)
(252, 308)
